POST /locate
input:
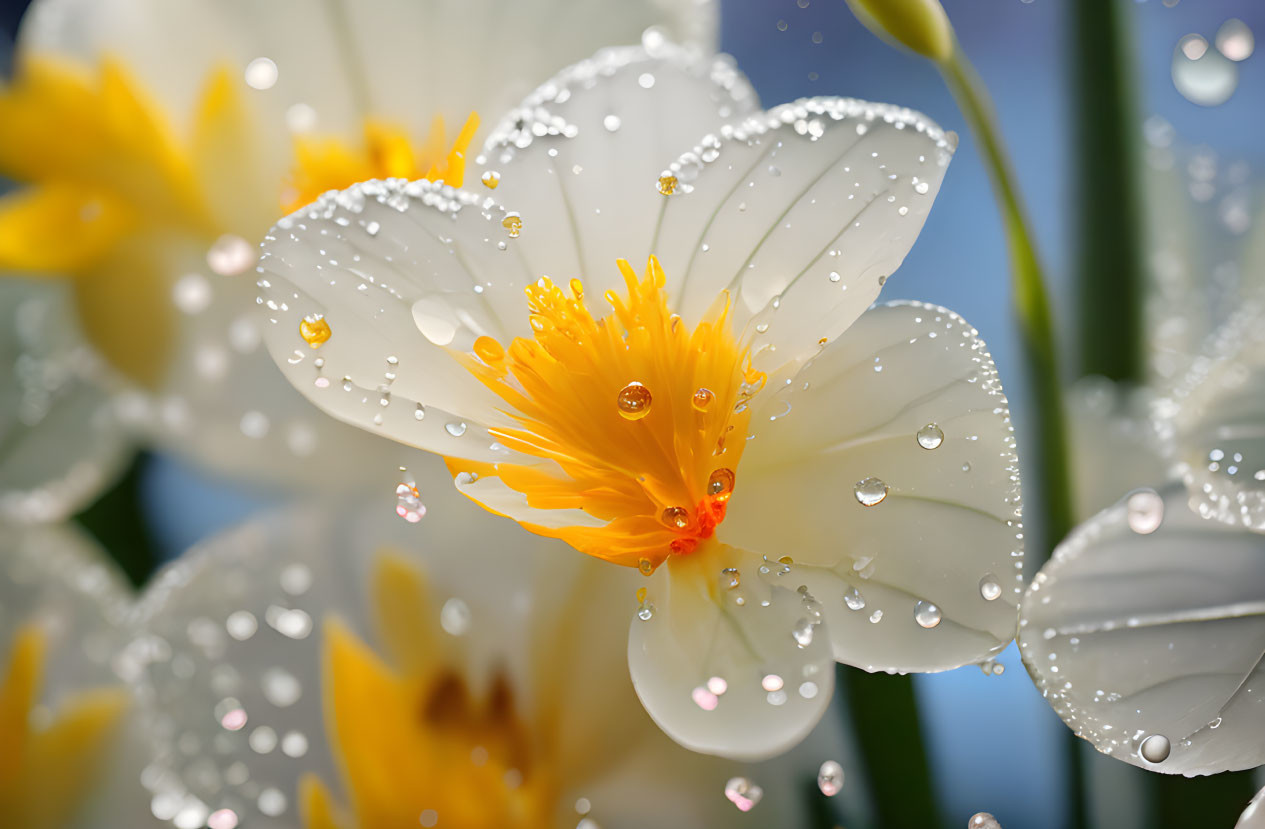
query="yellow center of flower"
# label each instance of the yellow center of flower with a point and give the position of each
(47, 772)
(414, 743)
(642, 418)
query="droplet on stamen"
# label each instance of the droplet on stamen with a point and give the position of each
(702, 399)
(634, 401)
(676, 517)
(489, 350)
(721, 484)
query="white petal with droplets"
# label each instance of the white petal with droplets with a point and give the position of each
(801, 213)
(942, 525)
(764, 641)
(1134, 632)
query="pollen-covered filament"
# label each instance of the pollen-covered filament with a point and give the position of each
(638, 419)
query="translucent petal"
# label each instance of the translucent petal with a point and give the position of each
(1253, 816)
(237, 624)
(887, 470)
(742, 671)
(801, 213)
(1115, 444)
(1144, 633)
(397, 274)
(60, 441)
(581, 157)
(1216, 416)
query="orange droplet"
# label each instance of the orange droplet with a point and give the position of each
(702, 399)
(634, 401)
(721, 484)
(513, 223)
(667, 184)
(676, 517)
(314, 330)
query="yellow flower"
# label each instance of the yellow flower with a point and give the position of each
(805, 477)
(156, 144)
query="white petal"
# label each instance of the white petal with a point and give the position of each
(1135, 632)
(742, 672)
(60, 442)
(1114, 442)
(1253, 816)
(400, 273)
(1217, 417)
(801, 213)
(908, 401)
(580, 158)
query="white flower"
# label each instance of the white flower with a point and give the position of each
(158, 141)
(352, 670)
(824, 482)
(72, 741)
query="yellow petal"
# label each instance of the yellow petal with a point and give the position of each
(18, 694)
(227, 163)
(316, 805)
(58, 227)
(404, 616)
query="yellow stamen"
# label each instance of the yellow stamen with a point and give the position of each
(633, 408)
(323, 164)
(417, 738)
(47, 774)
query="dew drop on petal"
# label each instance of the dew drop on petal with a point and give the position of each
(314, 330)
(926, 614)
(717, 685)
(456, 428)
(721, 484)
(513, 223)
(645, 567)
(633, 401)
(921, 187)
(702, 399)
(870, 491)
(876, 617)
(743, 793)
(230, 256)
(1235, 40)
(1145, 511)
(261, 73)
(676, 517)
(1203, 76)
(930, 436)
(853, 599)
(611, 123)
(454, 616)
(830, 778)
(222, 819)
(803, 633)
(1155, 748)
(771, 682)
(989, 587)
(730, 578)
(704, 698)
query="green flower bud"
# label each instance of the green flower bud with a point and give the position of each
(920, 25)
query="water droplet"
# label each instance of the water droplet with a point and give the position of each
(771, 682)
(721, 484)
(1155, 748)
(921, 187)
(702, 399)
(456, 428)
(853, 599)
(743, 793)
(454, 616)
(730, 578)
(1203, 76)
(704, 698)
(222, 819)
(830, 778)
(645, 80)
(930, 436)
(314, 330)
(645, 567)
(982, 820)
(676, 517)
(876, 617)
(926, 614)
(1235, 40)
(966, 467)
(870, 491)
(491, 179)
(611, 122)
(667, 184)
(717, 685)
(803, 633)
(409, 504)
(634, 401)
(419, 413)
(230, 256)
(1145, 509)
(261, 73)
(989, 588)
(513, 223)
(645, 610)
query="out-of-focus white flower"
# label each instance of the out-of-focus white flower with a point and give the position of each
(71, 736)
(350, 670)
(158, 141)
(824, 483)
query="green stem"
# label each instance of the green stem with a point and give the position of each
(883, 715)
(117, 521)
(1031, 302)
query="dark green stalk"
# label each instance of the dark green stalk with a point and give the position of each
(1109, 269)
(117, 521)
(883, 715)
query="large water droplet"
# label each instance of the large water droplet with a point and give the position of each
(1203, 76)
(456, 428)
(830, 778)
(634, 401)
(930, 436)
(314, 330)
(803, 633)
(1235, 40)
(870, 491)
(926, 614)
(989, 587)
(1145, 510)
(1155, 748)
(853, 599)
(676, 517)
(721, 484)
(982, 820)
(702, 399)
(743, 793)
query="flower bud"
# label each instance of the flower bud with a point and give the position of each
(920, 25)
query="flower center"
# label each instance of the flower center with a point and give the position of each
(387, 151)
(639, 421)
